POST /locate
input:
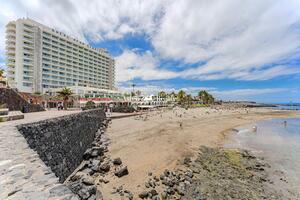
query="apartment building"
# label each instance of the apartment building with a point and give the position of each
(40, 58)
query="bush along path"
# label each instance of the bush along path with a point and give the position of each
(97, 163)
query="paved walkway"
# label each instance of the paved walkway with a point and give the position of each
(23, 175)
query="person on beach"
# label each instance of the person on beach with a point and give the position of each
(254, 129)
(285, 123)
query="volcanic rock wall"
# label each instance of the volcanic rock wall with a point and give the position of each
(14, 101)
(61, 142)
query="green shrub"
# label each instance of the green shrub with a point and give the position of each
(90, 105)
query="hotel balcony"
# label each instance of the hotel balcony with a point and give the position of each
(10, 38)
(10, 52)
(30, 46)
(11, 32)
(11, 63)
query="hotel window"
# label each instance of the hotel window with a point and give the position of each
(27, 84)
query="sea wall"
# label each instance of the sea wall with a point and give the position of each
(61, 142)
(15, 102)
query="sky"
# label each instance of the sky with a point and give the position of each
(235, 49)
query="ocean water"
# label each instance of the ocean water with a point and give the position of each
(278, 142)
(288, 106)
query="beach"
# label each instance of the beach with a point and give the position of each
(159, 140)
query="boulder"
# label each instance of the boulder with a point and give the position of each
(143, 195)
(105, 167)
(121, 171)
(117, 161)
(87, 180)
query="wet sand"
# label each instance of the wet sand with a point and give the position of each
(160, 140)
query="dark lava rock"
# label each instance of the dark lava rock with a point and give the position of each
(95, 165)
(77, 176)
(153, 192)
(88, 171)
(87, 192)
(87, 154)
(105, 167)
(75, 186)
(88, 180)
(117, 161)
(97, 151)
(121, 171)
(143, 195)
(164, 195)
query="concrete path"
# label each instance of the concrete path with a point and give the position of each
(23, 175)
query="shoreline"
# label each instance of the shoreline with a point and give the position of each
(154, 142)
(281, 178)
(224, 135)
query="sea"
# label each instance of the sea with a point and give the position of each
(278, 142)
(288, 106)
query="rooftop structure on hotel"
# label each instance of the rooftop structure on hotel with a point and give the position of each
(40, 58)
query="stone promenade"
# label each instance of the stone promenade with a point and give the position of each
(23, 175)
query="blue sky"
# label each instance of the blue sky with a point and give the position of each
(238, 50)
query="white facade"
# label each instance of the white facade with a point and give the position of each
(90, 92)
(39, 58)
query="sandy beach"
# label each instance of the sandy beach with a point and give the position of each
(160, 140)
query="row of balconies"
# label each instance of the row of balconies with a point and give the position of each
(76, 47)
(28, 39)
(45, 73)
(28, 34)
(10, 53)
(69, 54)
(28, 73)
(10, 62)
(74, 72)
(72, 59)
(58, 51)
(58, 70)
(28, 50)
(10, 32)
(66, 64)
(79, 64)
(57, 76)
(70, 49)
(57, 82)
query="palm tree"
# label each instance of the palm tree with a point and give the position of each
(138, 93)
(189, 99)
(162, 94)
(211, 99)
(173, 95)
(1, 73)
(65, 93)
(181, 96)
(206, 97)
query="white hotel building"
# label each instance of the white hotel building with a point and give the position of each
(40, 59)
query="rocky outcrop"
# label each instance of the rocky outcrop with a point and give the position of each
(214, 174)
(96, 166)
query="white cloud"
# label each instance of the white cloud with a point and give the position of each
(130, 65)
(247, 94)
(232, 37)
(243, 40)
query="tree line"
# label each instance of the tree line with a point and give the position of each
(183, 98)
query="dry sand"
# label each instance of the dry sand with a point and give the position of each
(159, 143)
